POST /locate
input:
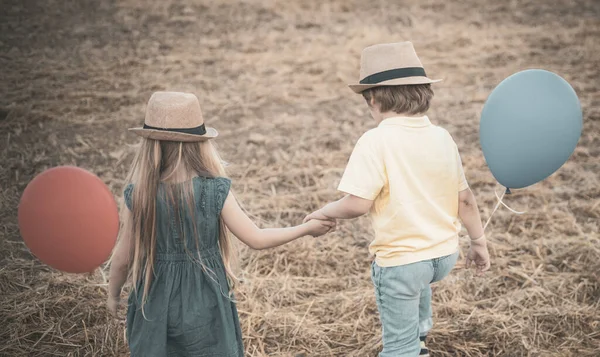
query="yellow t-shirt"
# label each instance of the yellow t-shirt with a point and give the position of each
(413, 172)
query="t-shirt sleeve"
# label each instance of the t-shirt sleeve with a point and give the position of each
(128, 196)
(462, 180)
(222, 187)
(365, 174)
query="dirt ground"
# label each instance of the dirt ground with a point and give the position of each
(271, 76)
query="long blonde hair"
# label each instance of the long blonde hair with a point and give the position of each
(154, 159)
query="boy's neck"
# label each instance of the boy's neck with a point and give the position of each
(387, 115)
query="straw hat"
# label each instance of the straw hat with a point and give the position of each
(390, 64)
(174, 116)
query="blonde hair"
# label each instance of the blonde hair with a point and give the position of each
(154, 159)
(405, 99)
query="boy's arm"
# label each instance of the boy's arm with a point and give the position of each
(245, 230)
(469, 213)
(349, 206)
(363, 179)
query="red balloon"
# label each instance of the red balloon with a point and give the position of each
(69, 219)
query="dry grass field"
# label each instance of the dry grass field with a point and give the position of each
(271, 76)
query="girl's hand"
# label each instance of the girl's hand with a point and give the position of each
(478, 254)
(316, 215)
(112, 304)
(317, 228)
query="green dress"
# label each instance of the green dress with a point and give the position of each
(188, 311)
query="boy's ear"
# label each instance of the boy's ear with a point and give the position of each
(371, 102)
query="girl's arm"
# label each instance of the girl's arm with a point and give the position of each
(245, 230)
(119, 264)
(349, 206)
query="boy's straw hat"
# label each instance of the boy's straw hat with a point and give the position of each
(390, 64)
(174, 116)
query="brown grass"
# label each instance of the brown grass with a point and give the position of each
(272, 77)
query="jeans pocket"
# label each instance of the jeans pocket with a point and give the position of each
(444, 266)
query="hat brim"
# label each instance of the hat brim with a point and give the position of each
(211, 133)
(358, 88)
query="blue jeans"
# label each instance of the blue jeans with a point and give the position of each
(403, 297)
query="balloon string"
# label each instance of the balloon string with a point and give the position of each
(500, 202)
(504, 204)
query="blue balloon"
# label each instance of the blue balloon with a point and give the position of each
(530, 126)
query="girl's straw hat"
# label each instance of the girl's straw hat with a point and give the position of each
(174, 116)
(390, 64)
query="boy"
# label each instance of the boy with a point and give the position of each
(407, 172)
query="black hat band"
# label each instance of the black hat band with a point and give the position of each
(393, 74)
(199, 130)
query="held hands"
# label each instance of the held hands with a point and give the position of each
(479, 255)
(317, 227)
(319, 224)
(316, 215)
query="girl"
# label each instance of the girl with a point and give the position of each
(174, 244)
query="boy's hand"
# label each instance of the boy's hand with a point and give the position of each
(316, 215)
(478, 254)
(317, 228)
